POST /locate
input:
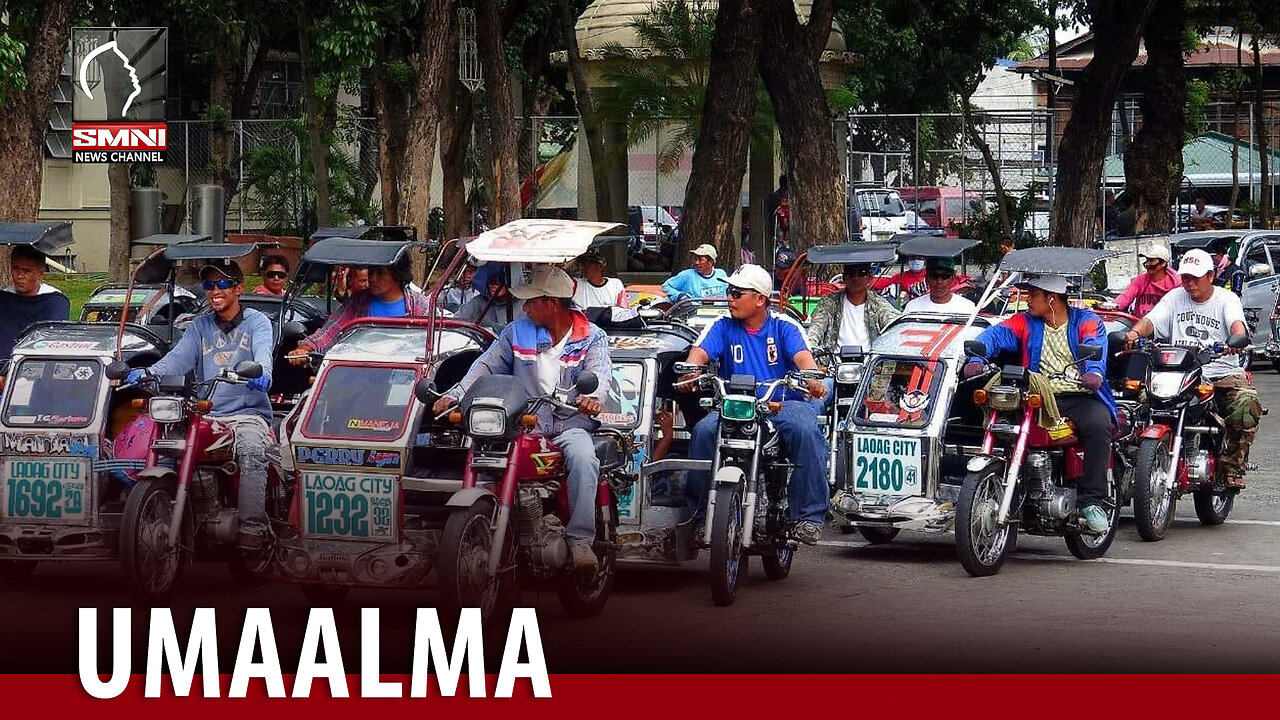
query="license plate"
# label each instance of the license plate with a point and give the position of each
(353, 506)
(45, 489)
(886, 465)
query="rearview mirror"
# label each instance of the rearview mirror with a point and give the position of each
(293, 331)
(975, 348)
(1238, 341)
(423, 391)
(117, 370)
(586, 383)
(1089, 351)
(248, 369)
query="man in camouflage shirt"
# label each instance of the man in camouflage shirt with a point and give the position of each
(853, 316)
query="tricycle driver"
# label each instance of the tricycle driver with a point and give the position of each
(756, 341)
(1047, 336)
(547, 349)
(215, 342)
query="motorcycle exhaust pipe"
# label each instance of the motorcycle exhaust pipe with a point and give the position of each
(1203, 429)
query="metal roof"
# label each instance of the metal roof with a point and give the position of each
(48, 238)
(1055, 260)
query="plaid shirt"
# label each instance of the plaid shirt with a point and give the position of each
(357, 307)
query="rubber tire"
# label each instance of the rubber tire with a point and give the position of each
(1078, 547)
(969, 559)
(571, 597)
(1205, 511)
(877, 535)
(727, 567)
(17, 569)
(1150, 451)
(140, 496)
(325, 595)
(777, 563)
(453, 597)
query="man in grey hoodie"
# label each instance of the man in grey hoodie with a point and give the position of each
(218, 341)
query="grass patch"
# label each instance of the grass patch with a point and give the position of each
(77, 288)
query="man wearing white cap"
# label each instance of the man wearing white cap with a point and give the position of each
(546, 349)
(1048, 335)
(1145, 291)
(701, 280)
(1201, 314)
(756, 341)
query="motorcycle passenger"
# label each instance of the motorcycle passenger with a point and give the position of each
(495, 308)
(1048, 335)
(940, 274)
(215, 342)
(1227, 274)
(1147, 289)
(462, 290)
(29, 299)
(388, 296)
(760, 342)
(594, 289)
(548, 348)
(1201, 314)
(852, 316)
(275, 271)
(910, 282)
(701, 280)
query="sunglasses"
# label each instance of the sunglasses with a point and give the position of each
(223, 284)
(737, 293)
(941, 275)
(276, 275)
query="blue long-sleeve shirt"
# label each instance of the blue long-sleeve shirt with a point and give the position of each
(209, 346)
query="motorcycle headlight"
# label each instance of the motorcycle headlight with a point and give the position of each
(738, 407)
(165, 409)
(848, 373)
(1003, 397)
(1165, 385)
(486, 422)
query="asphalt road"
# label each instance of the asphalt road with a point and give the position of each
(1203, 600)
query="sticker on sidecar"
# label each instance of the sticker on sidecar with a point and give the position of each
(44, 489)
(886, 465)
(352, 506)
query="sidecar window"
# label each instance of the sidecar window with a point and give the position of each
(898, 392)
(52, 392)
(361, 403)
(622, 407)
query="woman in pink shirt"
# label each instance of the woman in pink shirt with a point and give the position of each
(1146, 290)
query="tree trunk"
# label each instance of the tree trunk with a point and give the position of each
(119, 243)
(789, 69)
(591, 125)
(220, 153)
(993, 168)
(316, 110)
(455, 137)
(720, 156)
(391, 108)
(504, 168)
(424, 120)
(1153, 161)
(1117, 27)
(1259, 122)
(821, 15)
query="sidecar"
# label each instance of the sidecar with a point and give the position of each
(62, 493)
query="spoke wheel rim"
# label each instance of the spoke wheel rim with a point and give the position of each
(987, 539)
(1160, 493)
(476, 587)
(158, 561)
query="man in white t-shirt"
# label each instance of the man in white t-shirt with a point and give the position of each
(594, 289)
(1201, 314)
(940, 274)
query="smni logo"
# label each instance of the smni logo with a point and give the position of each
(119, 103)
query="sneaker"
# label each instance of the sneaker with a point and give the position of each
(806, 531)
(1094, 519)
(251, 537)
(584, 556)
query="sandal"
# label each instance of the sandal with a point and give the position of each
(1235, 481)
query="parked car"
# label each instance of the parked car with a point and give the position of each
(883, 213)
(943, 207)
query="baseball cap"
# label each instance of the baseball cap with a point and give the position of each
(1195, 263)
(706, 250)
(545, 281)
(227, 268)
(752, 277)
(1156, 252)
(940, 263)
(1040, 281)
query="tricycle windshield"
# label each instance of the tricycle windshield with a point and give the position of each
(361, 402)
(899, 392)
(51, 392)
(622, 407)
(408, 343)
(930, 339)
(94, 337)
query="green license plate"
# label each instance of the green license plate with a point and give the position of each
(45, 488)
(352, 506)
(886, 465)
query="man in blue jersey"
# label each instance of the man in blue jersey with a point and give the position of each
(702, 279)
(756, 341)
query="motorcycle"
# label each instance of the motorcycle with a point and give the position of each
(183, 503)
(747, 500)
(511, 512)
(1024, 477)
(1177, 451)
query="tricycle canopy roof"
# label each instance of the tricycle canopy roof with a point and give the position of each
(537, 240)
(163, 239)
(1055, 260)
(1188, 241)
(208, 251)
(330, 251)
(854, 253)
(48, 238)
(937, 247)
(394, 233)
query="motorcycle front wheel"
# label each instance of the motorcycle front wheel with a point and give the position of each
(464, 562)
(980, 543)
(726, 544)
(777, 562)
(584, 596)
(1213, 508)
(151, 566)
(1092, 547)
(1153, 496)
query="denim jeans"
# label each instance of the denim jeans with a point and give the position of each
(584, 474)
(251, 454)
(797, 424)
